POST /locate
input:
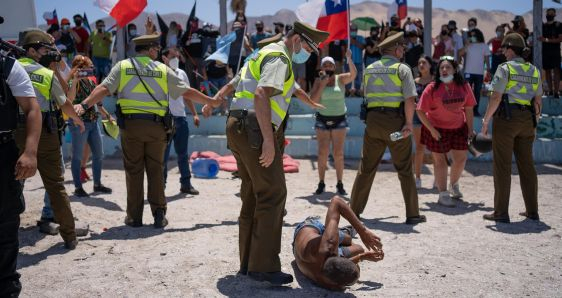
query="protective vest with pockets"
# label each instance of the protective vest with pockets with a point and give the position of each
(8, 104)
(42, 81)
(249, 77)
(523, 82)
(383, 86)
(132, 96)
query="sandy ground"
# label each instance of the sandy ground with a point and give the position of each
(456, 253)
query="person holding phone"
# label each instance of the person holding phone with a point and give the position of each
(100, 42)
(331, 124)
(81, 85)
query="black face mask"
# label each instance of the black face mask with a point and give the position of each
(394, 23)
(277, 31)
(78, 23)
(444, 32)
(259, 29)
(329, 72)
(550, 18)
(49, 58)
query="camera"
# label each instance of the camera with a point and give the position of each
(85, 72)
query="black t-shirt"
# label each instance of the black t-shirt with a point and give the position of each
(195, 46)
(551, 31)
(370, 42)
(335, 50)
(67, 40)
(215, 71)
(412, 55)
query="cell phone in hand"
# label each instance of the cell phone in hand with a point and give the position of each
(85, 72)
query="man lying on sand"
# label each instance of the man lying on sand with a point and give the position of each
(326, 254)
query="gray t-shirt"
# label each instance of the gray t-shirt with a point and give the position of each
(176, 86)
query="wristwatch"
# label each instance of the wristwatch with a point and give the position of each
(84, 106)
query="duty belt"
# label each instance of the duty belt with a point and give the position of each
(384, 109)
(6, 137)
(520, 107)
(151, 117)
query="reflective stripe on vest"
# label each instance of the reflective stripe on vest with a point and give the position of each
(133, 97)
(383, 87)
(523, 82)
(42, 81)
(249, 77)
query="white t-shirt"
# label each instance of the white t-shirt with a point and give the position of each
(177, 107)
(458, 44)
(19, 82)
(475, 55)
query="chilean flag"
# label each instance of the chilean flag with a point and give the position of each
(51, 17)
(328, 15)
(398, 8)
(123, 11)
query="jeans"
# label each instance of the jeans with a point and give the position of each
(47, 211)
(102, 66)
(475, 80)
(180, 139)
(92, 135)
(358, 77)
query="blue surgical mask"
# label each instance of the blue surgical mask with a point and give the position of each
(446, 79)
(300, 57)
(353, 33)
(473, 39)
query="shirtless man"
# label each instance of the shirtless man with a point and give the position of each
(326, 254)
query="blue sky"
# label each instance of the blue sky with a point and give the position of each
(208, 10)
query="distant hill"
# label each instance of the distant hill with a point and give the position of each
(487, 20)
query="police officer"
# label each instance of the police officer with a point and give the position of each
(40, 53)
(515, 105)
(390, 97)
(144, 87)
(256, 114)
(15, 89)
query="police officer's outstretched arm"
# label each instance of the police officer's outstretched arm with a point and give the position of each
(96, 96)
(26, 165)
(263, 113)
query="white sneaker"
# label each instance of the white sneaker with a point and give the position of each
(445, 199)
(455, 191)
(418, 183)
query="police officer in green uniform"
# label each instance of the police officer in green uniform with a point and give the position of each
(515, 105)
(254, 123)
(390, 97)
(15, 90)
(144, 86)
(52, 100)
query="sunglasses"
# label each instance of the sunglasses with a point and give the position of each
(446, 58)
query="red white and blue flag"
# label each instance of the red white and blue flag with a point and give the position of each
(327, 15)
(123, 11)
(398, 8)
(51, 17)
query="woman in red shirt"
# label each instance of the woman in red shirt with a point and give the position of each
(445, 109)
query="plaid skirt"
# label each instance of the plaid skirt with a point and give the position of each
(451, 139)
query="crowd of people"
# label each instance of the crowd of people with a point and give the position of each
(405, 93)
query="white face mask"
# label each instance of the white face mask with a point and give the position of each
(174, 63)
(446, 79)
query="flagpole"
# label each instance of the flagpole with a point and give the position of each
(241, 48)
(348, 27)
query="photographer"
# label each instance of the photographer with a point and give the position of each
(40, 53)
(331, 124)
(81, 85)
(15, 90)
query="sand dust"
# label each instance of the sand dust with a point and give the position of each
(455, 254)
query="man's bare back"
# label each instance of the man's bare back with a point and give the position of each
(326, 254)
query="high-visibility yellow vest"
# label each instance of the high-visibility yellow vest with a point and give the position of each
(132, 96)
(42, 81)
(523, 82)
(383, 86)
(249, 78)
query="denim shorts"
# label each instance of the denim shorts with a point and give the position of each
(314, 222)
(330, 122)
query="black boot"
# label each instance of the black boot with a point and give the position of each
(160, 220)
(321, 187)
(341, 190)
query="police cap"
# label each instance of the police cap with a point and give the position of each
(392, 41)
(312, 36)
(147, 40)
(514, 40)
(34, 36)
